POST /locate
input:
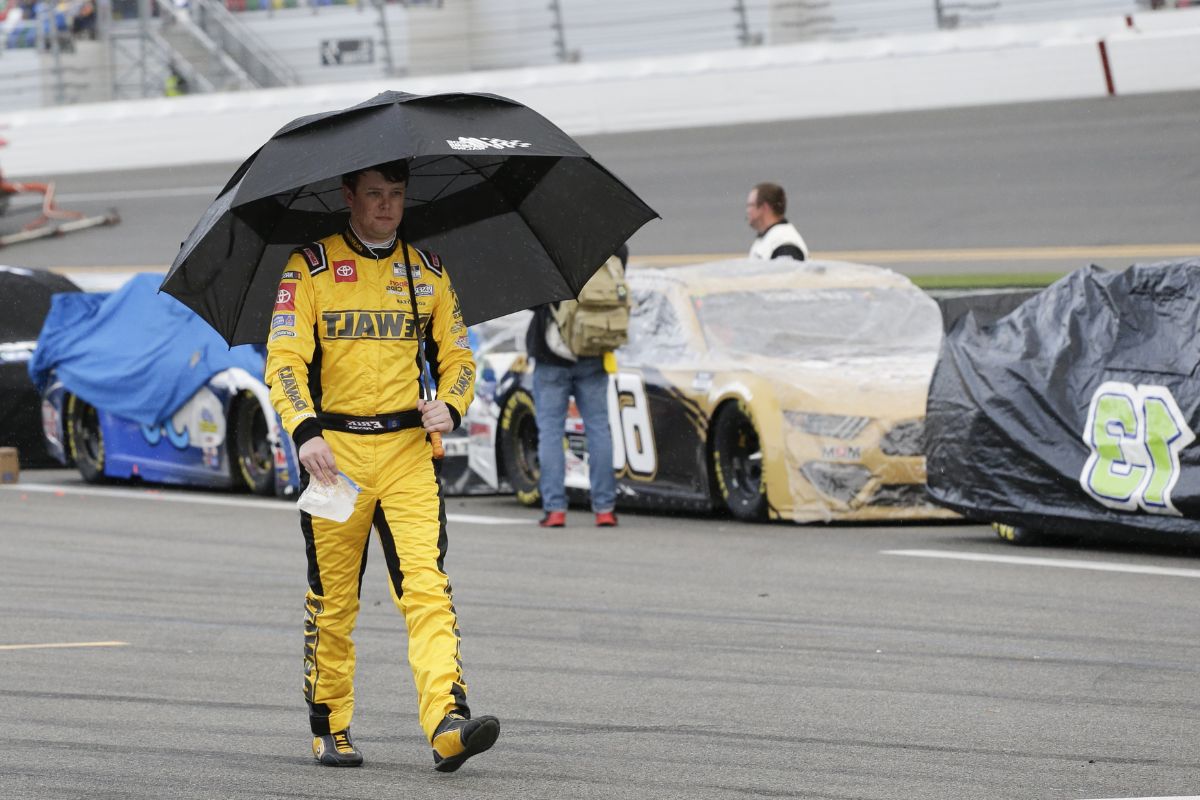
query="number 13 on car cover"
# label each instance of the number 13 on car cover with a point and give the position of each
(1135, 434)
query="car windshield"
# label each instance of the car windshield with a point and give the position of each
(816, 323)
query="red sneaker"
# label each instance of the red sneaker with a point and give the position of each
(554, 519)
(606, 519)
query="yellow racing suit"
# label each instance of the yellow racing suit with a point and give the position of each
(342, 363)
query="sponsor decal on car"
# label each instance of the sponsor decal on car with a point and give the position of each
(344, 272)
(285, 298)
(841, 452)
(281, 320)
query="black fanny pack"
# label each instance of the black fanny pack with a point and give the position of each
(382, 423)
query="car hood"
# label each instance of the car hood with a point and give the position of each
(862, 384)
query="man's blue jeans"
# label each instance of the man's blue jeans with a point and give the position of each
(587, 381)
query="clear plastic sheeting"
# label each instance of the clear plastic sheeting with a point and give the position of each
(817, 323)
(830, 360)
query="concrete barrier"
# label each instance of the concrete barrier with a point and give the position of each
(1153, 52)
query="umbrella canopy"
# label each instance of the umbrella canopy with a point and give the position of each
(518, 211)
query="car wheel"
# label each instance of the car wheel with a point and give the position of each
(251, 460)
(737, 464)
(1015, 534)
(86, 438)
(519, 447)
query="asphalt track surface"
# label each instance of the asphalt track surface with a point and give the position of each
(1018, 188)
(676, 657)
(669, 658)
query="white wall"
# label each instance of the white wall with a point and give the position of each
(976, 67)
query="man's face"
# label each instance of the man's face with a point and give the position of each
(755, 211)
(376, 206)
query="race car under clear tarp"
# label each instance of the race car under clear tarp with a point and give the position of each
(773, 389)
(1076, 413)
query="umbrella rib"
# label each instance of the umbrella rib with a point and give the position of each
(246, 286)
(470, 169)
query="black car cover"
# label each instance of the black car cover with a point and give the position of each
(1075, 413)
(24, 301)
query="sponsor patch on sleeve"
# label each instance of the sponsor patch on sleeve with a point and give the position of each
(281, 333)
(291, 275)
(282, 320)
(314, 255)
(285, 298)
(464, 342)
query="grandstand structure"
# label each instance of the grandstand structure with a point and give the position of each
(73, 51)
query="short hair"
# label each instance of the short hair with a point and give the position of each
(773, 195)
(394, 171)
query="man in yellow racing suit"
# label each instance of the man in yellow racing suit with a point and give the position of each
(342, 364)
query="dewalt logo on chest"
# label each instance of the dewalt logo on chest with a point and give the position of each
(367, 325)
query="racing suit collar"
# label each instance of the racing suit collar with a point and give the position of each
(367, 251)
(782, 221)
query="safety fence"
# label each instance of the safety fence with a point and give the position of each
(310, 42)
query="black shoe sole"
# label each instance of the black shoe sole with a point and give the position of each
(332, 763)
(481, 739)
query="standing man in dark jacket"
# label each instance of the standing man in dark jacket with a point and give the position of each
(559, 375)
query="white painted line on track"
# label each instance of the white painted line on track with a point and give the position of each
(266, 504)
(1061, 563)
(126, 194)
(60, 645)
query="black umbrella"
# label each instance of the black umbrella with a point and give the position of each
(518, 211)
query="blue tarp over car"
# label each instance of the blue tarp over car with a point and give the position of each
(135, 352)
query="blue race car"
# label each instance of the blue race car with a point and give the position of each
(135, 386)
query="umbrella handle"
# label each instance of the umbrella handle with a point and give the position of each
(435, 439)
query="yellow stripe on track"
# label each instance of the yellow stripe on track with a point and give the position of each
(934, 255)
(964, 254)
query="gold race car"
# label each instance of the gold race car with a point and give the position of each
(775, 389)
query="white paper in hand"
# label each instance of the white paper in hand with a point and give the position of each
(330, 502)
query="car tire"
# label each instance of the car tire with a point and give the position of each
(251, 459)
(519, 447)
(86, 437)
(737, 464)
(1018, 535)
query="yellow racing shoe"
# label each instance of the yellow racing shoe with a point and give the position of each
(458, 738)
(336, 750)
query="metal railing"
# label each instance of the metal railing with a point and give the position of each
(225, 71)
(256, 58)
